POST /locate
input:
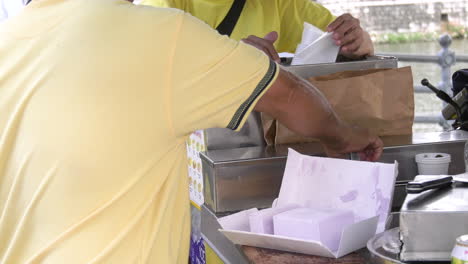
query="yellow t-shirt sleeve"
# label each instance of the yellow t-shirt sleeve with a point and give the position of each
(293, 15)
(159, 3)
(215, 81)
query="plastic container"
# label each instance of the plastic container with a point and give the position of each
(460, 251)
(433, 163)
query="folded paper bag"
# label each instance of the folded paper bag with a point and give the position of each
(381, 100)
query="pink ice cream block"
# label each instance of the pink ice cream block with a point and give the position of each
(325, 226)
(262, 221)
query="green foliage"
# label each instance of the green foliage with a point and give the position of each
(396, 38)
(455, 31)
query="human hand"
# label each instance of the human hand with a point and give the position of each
(265, 44)
(368, 146)
(348, 34)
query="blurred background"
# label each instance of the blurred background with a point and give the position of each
(414, 27)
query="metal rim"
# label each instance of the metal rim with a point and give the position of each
(375, 254)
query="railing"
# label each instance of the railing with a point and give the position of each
(445, 58)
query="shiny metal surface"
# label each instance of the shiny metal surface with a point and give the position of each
(238, 179)
(431, 221)
(404, 149)
(251, 133)
(234, 186)
(439, 137)
(223, 247)
(378, 244)
(382, 249)
(405, 154)
(440, 200)
(242, 178)
(399, 194)
(374, 62)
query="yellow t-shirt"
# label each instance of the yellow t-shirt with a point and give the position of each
(96, 101)
(259, 17)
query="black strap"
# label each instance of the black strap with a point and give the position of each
(229, 22)
(27, 1)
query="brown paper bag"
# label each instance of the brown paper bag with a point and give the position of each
(381, 100)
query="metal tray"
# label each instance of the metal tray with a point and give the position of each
(242, 178)
(431, 221)
(384, 249)
(373, 62)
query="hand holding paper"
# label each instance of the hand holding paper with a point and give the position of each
(348, 34)
(315, 47)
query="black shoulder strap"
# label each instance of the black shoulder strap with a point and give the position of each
(229, 22)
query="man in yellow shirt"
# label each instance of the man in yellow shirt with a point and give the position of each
(95, 112)
(280, 21)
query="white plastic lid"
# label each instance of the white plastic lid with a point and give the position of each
(433, 158)
(463, 240)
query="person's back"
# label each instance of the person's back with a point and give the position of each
(95, 109)
(70, 102)
(93, 124)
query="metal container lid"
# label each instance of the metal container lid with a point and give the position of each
(462, 241)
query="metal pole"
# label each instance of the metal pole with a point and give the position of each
(446, 60)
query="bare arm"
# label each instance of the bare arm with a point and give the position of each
(303, 109)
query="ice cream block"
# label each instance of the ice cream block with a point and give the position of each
(325, 226)
(262, 221)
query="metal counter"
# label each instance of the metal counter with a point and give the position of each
(242, 178)
(241, 172)
(431, 221)
(238, 179)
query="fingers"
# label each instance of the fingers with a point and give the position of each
(347, 33)
(265, 44)
(272, 37)
(352, 41)
(270, 52)
(358, 140)
(368, 146)
(345, 28)
(337, 22)
(373, 151)
(377, 149)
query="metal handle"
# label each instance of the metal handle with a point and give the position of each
(424, 185)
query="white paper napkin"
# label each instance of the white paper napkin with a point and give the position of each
(316, 47)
